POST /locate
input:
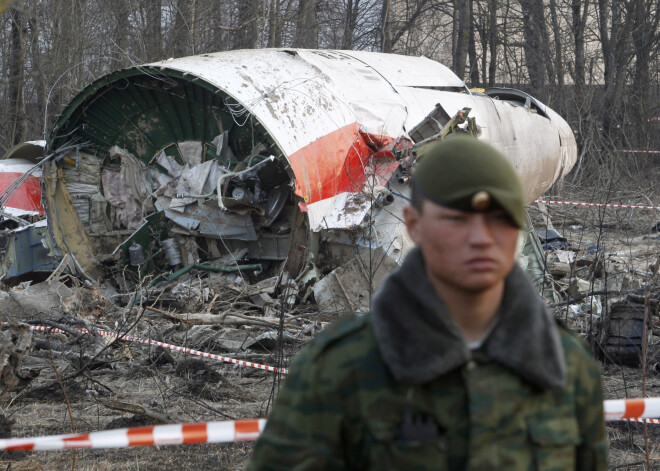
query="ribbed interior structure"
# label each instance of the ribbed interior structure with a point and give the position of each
(143, 111)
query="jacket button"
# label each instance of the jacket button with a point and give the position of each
(471, 365)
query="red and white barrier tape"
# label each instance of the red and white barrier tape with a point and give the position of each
(189, 351)
(621, 409)
(626, 151)
(648, 421)
(633, 410)
(602, 205)
(176, 434)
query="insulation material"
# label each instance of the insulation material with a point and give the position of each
(82, 175)
(172, 167)
(191, 152)
(127, 211)
(221, 143)
(81, 196)
(134, 174)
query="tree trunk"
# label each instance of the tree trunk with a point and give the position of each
(386, 27)
(492, 32)
(153, 36)
(180, 40)
(645, 17)
(39, 75)
(16, 72)
(121, 34)
(613, 59)
(67, 53)
(472, 50)
(557, 34)
(462, 38)
(352, 9)
(246, 36)
(274, 25)
(579, 10)
(307, 25)
(536, 46)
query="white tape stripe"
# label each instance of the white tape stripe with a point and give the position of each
(177, 348)
(168, 435)
(603, 205)
(626, 151)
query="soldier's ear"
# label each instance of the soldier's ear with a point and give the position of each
(411, 218)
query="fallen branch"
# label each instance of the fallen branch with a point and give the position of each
(137, 410)
(214, 319)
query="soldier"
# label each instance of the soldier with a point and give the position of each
(459, 365)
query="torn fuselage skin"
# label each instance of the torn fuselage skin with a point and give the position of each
(165, 144)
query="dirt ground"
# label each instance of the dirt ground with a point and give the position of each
(94, 384)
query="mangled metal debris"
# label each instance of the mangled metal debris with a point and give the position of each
(608, 289)
(297, 158)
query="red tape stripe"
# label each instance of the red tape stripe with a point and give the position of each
(194, 433)
(140, 436)
(246, 430)
(634, 408)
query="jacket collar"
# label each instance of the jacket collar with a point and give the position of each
(419, 341)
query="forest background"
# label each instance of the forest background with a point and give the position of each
(593, 61)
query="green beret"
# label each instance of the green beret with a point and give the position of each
(464, 173)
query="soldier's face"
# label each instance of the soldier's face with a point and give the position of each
(470, 252)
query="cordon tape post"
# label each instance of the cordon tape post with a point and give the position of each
(633, 410)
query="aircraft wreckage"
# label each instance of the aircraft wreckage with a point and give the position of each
(270, 159)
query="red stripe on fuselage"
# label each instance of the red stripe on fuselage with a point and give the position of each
(336, 163)
(28, 195)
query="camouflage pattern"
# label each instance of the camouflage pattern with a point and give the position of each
(341, 408)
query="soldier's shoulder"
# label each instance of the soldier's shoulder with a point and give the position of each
(343, 339)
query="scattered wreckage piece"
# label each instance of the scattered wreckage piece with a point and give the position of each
(15, 345)
(611, 289)
(623, 333)
(24, 242)
(299, 158)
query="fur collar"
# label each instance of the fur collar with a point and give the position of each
(419, 341)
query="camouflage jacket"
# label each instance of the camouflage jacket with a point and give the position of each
(405, 392)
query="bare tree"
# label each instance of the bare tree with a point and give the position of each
(579, 17)
(153, 33)
(613, 44)
(246, 34)
(16, 72)
(180, 38)
(536, 45)
(462, 8)
(120, 10)
(644, 18)
(352, 9)
(307, 25)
